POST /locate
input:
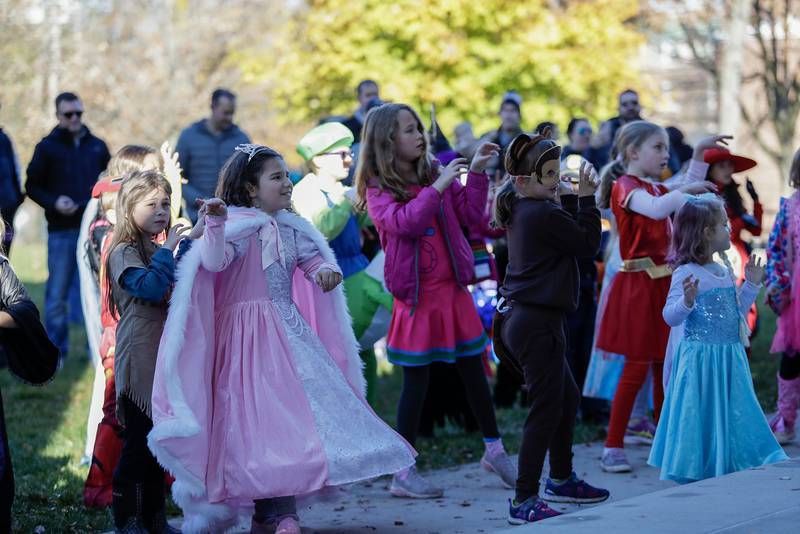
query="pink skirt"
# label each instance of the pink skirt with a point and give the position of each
(442, 327)
(787, 335)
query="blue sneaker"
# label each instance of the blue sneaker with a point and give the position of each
(574, 490)
(530, 510)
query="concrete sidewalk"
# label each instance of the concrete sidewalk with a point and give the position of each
(763, 500)
(476, 502)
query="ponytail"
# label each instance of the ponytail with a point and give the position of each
(609, 175)
(504, 203)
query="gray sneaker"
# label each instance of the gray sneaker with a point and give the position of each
(502, 466)
(615, 461)
(414, 486)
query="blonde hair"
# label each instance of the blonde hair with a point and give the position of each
(634, 134)
(608, 175)
(135, 187)
(689, 243)
(130, 158)
(376, 159)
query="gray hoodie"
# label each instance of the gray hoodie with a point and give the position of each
(202, 155)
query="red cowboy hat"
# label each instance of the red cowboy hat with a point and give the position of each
(107, 184)
(740, 163)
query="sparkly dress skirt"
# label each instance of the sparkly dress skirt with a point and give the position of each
(711, 422)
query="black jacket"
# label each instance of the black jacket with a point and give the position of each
(544, 242)
(61, 167)
(31, 355)
(10, 190)
(354, 125)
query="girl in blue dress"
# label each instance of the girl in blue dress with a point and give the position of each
(711, 423)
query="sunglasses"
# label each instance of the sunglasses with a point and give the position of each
(70, 114)
(343, 155)
(584, 131)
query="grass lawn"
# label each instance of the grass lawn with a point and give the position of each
(47, 426)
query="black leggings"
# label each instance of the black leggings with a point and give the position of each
(415, 387)
(535, 337)
(790, 366)
(136, 463)
(275, 509)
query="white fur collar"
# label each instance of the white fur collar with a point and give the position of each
(189, 491)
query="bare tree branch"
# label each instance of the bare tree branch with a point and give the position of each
(755, 127)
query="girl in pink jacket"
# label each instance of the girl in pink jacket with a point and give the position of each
(419, 213)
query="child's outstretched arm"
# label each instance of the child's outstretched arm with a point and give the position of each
(681, 297)
(698, 168)
(326, 275)
(661, 207)
(215, 253)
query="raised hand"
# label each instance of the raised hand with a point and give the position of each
(587, 180)
(175, 236)
(328, 279)
(172, 165)
(754, 270)
(698, 188)
(215, 207)
(713, 141)
(450, 173)
(690, 287)
(483, 155)
(751, 189)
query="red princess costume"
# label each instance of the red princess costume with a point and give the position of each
(632, 324)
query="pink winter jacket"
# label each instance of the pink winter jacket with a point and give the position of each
(401, 224)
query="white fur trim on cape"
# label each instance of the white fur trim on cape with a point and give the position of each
(188, 491)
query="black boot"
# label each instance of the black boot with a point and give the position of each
(127, 508)
(155, 517)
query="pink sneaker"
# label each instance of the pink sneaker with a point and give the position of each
(288, 525)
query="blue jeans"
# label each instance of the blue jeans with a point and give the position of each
(62, 287)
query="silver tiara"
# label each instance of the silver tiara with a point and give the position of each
(250, 149)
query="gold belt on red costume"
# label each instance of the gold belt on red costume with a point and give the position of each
(647, 265)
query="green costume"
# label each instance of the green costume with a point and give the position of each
(323, 201)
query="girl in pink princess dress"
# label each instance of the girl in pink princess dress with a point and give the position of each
(783, 296)
(259, 393)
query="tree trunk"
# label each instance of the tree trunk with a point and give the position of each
(735, 26)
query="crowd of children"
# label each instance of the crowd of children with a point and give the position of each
(235, 358)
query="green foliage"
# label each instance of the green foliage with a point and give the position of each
(457, 54)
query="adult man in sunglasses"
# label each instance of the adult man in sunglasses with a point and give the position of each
(630, 109)
(61, 175)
